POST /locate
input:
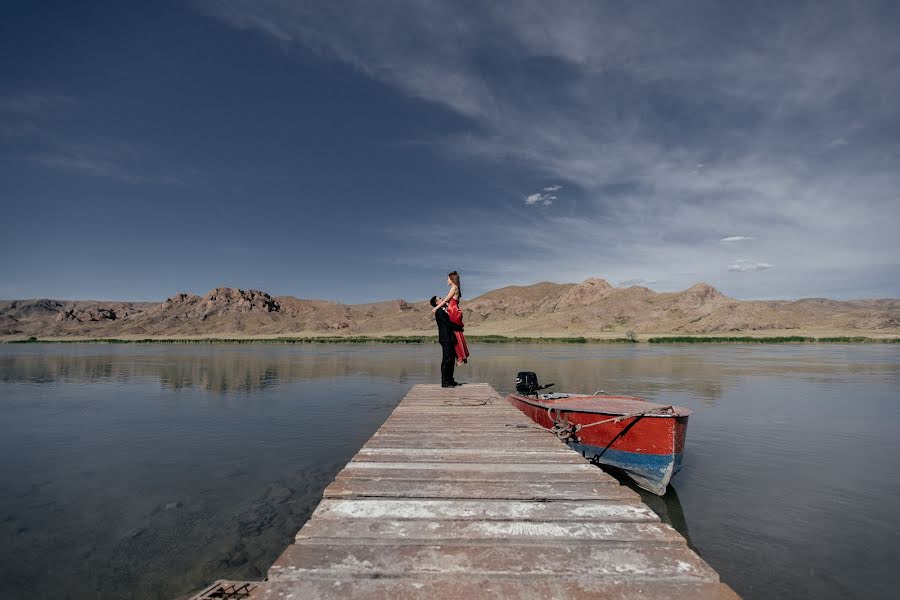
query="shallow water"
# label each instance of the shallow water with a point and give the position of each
(146, 471)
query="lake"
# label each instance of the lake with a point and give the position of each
(146, 471)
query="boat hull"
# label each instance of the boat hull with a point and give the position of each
(649, 448)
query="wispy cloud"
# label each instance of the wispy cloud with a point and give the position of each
(637, 281)
(25, 117)
(744, 265)
(32, 102)
(540, 198)
(785, 108)
(117, 162)
(544, 197)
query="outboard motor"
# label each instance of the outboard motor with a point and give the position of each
(527, 383)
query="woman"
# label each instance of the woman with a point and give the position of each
(455, 314)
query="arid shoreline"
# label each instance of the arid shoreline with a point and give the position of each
(590, 310)
(415, 338)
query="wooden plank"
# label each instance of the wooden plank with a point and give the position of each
(581, 468)
(615, 562)
(467, 455)
(476, 476)
(514, 437)
(488, 490)
(469, 510)
(394, 531)
(492, 588)
(526, 454)
(480, 430)
(487, 443)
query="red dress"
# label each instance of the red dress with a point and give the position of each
(455, 314)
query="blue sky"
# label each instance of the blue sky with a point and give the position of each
(360, 150)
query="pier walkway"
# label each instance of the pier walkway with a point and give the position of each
(458, 496)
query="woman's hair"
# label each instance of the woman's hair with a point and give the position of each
(454, 277)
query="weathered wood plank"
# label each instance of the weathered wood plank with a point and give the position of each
(486, 443)
(467, 455)
(476, 476)
(581, 468)
(393, 531)
(492, 588)
(469, 510)
(615, 562)
(461, 430)
(520, 437)
(488, 490)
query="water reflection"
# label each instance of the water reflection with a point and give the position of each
(224, 369)
(202, 462)
(248, 369)
(669, 374)
(667, 507)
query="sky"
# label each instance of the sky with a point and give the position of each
(358, 151)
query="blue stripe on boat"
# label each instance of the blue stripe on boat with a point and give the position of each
(655, 468)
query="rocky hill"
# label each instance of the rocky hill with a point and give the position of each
(591, 308)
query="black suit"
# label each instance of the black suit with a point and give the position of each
(447, 338)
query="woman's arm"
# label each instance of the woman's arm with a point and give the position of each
(453, 291)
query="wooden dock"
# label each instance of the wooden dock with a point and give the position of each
(458, 496)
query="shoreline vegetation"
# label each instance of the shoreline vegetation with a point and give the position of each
(483, 339)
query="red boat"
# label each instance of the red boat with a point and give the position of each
(644, 439)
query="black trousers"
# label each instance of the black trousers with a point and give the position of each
(448, 362)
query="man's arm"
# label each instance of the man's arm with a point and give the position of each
(444, 319)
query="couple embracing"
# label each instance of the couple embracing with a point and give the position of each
(448, 316)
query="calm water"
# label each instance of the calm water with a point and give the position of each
(147, 471)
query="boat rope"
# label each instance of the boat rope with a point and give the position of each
(567, 431)
(471, 401)
(525, 426)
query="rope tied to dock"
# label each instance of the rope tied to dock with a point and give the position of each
(567, 431)
(470, 401)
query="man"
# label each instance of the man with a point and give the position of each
(447, 339)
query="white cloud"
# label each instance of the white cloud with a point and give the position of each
(553, 188)
(541, 198)
(645, 204)
(744, 265)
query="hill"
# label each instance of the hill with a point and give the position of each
(590, 308)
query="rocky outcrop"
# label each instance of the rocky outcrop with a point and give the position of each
(700, 297)
(93, 313)
(9, 325)
(24, 309)
(221, 301)
(877, 321)
(587, 292)
(180, 300)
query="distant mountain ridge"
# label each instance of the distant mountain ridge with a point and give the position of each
(592, 307)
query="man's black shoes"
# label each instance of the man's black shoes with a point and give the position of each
(450, 385)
